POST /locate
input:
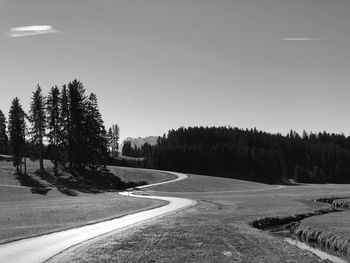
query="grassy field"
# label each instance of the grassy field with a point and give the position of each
(198, 184)
(139, 175)
(216, 230)
(25, 214)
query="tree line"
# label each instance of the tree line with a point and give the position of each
(65, 126)
(253, 155)
(133, 150)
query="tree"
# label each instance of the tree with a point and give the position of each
(3, 134)
(95, 133)
(65, 131)
(38, 120)
(53, 124)
(113, 140)
(17, 128)
(77, 144)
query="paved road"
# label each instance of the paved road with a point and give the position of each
(38, 249)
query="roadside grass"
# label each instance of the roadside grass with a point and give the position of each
(24, 214)
(215, 230)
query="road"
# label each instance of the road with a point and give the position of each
(41, 248)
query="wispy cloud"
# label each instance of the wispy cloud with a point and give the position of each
(24, 31)
(301, 38)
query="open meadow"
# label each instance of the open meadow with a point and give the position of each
(217, 229)
(26, 212)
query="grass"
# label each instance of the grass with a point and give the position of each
(343, 203)
(24, 214)
(199, 183)
(268, 222)
(216, 230)
(330, 231)
(138, 175)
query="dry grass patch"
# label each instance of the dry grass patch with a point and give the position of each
(331, 231)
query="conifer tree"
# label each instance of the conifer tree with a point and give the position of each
(38, 120)
(113, 140)
(3, 134)
(95, 132)
(16, 129)
(53, 123)
(64, 133)
(77, 144)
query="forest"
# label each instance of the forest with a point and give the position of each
(254, 155)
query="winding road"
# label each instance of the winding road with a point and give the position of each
(41, 248)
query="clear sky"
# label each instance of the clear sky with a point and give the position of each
(161, 64)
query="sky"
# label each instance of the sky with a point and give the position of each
(157, 65)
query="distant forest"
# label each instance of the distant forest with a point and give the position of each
(253, 155)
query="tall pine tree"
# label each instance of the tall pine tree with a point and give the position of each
(113, 140)
(16, 129)
(95, 133)
(77, 147)
(64, 133)
(3, 134)
(38, 120)
(53, 124)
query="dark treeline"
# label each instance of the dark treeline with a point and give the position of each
(131, 150)
(65, 126)
(254, 155)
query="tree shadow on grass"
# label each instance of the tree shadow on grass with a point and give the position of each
(67, 191)
(36, 186)
(86, 181)
(48, 176)
(91, 191)
(6, 158)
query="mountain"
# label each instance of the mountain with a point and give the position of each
(152, 140)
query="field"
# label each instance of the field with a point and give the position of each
(25, 214)
(139, 175)
(217, 229)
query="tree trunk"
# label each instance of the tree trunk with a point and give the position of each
(41, 157)
(55, 168)
(25, 165)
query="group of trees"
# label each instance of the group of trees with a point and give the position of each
(113, 140)
(253, 155)
(133, 150)
(68, 120)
